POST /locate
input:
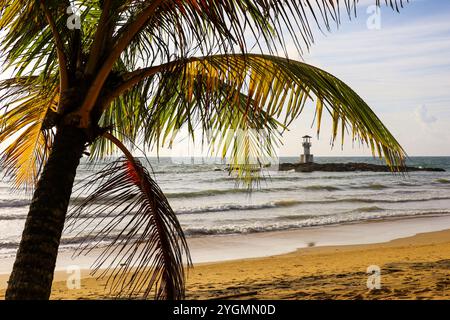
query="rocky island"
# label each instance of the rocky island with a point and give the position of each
(344, 167)
(307, 164)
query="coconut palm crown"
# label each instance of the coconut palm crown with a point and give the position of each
(127, 72)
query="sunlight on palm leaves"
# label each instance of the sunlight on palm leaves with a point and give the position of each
(22, 123)
(247, 99)
(146, 70)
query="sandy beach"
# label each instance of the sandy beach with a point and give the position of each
(414, 267)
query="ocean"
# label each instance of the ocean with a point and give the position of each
(208, 203)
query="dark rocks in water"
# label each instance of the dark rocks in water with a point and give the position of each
(252, 168)
(344, 167)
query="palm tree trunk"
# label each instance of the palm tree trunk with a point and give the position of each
(34, 266)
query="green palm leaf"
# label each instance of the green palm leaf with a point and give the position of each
(244, 102)
(150, 244)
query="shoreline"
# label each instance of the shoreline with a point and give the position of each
(414, 267)
(429, 252)
(229, 247)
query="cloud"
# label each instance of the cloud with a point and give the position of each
(423, 115)
(398, 65)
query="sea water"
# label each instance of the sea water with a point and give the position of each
(208, 202)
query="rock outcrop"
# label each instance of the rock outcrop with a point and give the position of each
(344, 167)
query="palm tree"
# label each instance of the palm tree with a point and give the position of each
(139, 70)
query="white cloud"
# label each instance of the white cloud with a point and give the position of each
(423, 115)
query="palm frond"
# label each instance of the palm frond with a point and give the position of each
(156, 31)
(249, 99)
(125, 115)
(27, 143)
(28, 39)
(150, 244)
(207, 27)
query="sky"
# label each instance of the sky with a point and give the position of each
(401, 68)
(399, 63)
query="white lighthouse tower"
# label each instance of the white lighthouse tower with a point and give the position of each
(306, 157)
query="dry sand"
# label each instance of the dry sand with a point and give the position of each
(416, 267)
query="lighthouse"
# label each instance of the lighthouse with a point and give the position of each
(306, 157)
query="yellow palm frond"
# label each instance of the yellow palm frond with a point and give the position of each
(27, 142)
(245, 101)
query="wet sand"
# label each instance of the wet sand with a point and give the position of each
(414, 267)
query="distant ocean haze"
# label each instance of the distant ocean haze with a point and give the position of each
(208, 202)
